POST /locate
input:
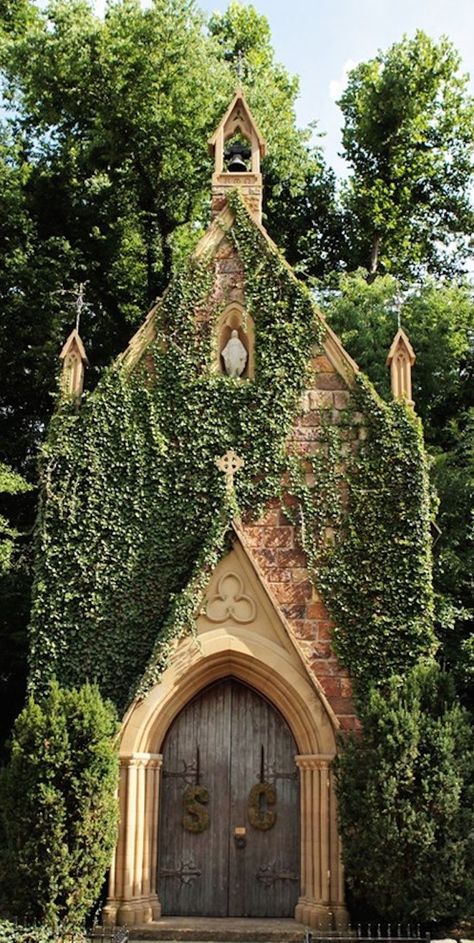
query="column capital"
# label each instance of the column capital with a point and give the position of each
(314, 760)
(141, 760)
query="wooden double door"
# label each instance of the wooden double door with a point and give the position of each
(229, 818)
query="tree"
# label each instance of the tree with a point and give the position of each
(59, 810)
(14, 590)
(10, 483)
(408, 137)
(405, 793)
(453, 476)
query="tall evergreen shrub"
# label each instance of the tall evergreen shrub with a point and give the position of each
(59, 807)
(406, 801)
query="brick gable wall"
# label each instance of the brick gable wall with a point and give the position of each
(273, 541)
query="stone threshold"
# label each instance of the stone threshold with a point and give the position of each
(221, 929)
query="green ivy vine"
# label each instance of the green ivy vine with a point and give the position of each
(365, 525)
(135, 514)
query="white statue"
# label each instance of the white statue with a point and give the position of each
(234, 356)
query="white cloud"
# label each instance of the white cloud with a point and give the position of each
(337, 86)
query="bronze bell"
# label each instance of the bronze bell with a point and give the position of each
(236, 165)
(236, 156)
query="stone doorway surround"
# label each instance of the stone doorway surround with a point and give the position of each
(240, 634)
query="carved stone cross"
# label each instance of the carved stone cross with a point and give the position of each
(230, 463)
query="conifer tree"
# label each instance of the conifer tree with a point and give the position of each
(58, 807)
(405, 792)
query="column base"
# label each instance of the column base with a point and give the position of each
(109, 913)
(321, 916)
(135, 912)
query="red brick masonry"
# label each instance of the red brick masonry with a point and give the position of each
(276, 548)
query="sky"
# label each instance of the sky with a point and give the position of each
(319, 40)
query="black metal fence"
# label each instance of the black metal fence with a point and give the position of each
(373, 932)
(109, 935)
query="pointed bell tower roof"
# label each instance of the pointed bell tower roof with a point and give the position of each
(238, 119)
(245, 176)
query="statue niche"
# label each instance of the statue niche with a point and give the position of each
(235, 343)
(234, 355)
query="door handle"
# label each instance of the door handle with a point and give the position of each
(240, 837)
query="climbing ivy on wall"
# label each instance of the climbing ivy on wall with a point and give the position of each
(366, 530)
(135, 514)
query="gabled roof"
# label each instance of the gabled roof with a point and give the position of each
(74, 343)
(206, 247)
(401, 340)
(239, 101)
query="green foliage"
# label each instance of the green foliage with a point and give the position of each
(408, 136)
(367, 533)
(10, 483)
(59, 810)
(16, 933)
(439, 319)
(14, 590)
(117, 584)
(405, 792)
(453, 476)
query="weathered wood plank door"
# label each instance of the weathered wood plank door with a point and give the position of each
(228, 740)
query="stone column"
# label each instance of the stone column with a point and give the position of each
(132, 888)
(322, 893)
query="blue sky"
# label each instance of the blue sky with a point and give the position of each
(319, 39)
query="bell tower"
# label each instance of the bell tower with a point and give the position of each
(237, 147)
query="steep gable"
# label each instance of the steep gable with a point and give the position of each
(136, 515)
(218, 246)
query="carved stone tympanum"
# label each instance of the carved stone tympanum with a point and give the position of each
(230, 601)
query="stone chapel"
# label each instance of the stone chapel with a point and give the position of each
(227, 801)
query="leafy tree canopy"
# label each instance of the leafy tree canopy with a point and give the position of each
(10, 483)
(408, 138)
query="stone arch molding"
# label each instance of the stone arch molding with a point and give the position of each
(251, 644)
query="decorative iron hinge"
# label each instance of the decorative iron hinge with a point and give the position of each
(188, 774)
(272, 774)
(268, 874)
(186, 873)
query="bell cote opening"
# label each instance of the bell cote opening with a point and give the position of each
(237, 147)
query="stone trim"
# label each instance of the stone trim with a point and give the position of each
(132, 897)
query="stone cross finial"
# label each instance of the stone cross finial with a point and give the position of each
(230, 463)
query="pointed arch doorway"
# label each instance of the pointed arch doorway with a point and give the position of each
(229, 819)
(258, 652)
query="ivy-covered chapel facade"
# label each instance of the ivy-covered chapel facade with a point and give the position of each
(234, 544)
